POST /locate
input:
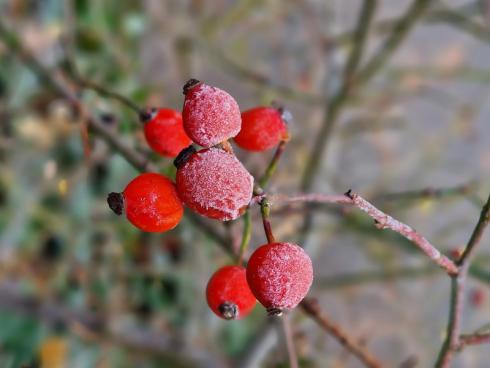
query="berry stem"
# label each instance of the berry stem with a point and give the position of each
(265, 212)
(247, 234)
(264, 180)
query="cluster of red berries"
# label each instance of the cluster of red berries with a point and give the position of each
(215, 184)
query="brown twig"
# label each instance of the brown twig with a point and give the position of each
(473, 339)
(311, 308)
(384, 221)
(288, 336)
(452, 342)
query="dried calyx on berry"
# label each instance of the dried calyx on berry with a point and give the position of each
(189, 85)
(116, 202)
(228, 310)
(183, 156)
(147, 114)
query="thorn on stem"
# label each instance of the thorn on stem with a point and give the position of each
(349, 194)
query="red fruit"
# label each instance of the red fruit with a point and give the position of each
(210, 115)
(477, 297)
(151, 203)
(228, 293)
(262, 129)
(279, 275)
(213, 183)
(165, 133)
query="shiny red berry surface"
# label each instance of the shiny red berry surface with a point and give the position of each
(228, 293)
(165, 133)
(151, 203)
(279, 275)
(210, 114)
(262, 129)
(213, 183)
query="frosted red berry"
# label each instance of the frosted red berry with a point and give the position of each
(164, 132)
(279, 275)
(228, 293)
(213, 183)
(210, 114)
(150, 201)
(262, 129)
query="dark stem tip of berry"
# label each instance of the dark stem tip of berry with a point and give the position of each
(183, 156)
(228, 310)
(189, 84)
(116, 202)
(274, 312)
(147, 114)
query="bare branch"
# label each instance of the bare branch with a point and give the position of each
(311, 308)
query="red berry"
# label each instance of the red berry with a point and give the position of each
(262, 129)
(151, 203)
(280, 275)
(165, 133)
(213, 183)
(210, 114)
(228, 293)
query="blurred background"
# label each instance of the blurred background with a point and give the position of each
(80, 287)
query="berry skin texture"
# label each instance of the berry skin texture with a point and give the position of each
(279, 275)
(262, 129)
(210, 115)
(151, 203)
(228, 293)
(165, 133)
(213, 183)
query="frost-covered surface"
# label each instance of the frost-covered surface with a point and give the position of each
(215, 184)
(210, 115)
(280, 275)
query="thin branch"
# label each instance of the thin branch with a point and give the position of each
(384, 221)
(400, 31)
(476, 235)
(271, 169)
(335, 104)
(429, 192)
(95, 325)
(311, 308)
(473, 339)
(288, 336)
(85, 83)
(451, 342)
(247, 234)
